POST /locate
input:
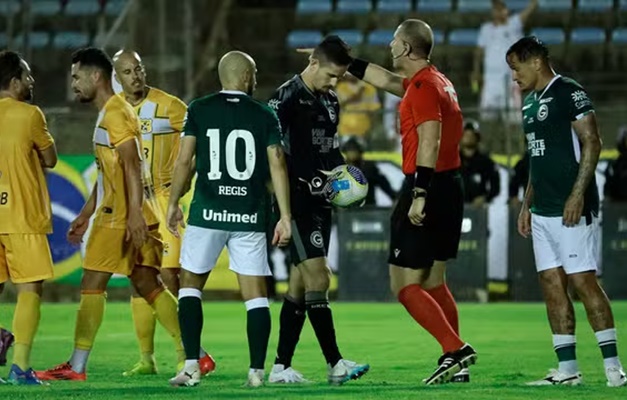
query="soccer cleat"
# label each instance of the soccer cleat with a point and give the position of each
(615, 377)
(28, 377)
(188, 376)
(346, 370)
(62, 372)
(6, 341)
(462, 376)
(556, 377)
(2, 382)
(280, 374)
(141, 368)
(207, 364)
(452, 363)
(255, 378)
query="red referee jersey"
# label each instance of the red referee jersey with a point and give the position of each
(430, 96)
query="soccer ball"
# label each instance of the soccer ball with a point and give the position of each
(349, 186)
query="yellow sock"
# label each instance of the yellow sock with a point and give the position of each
(89, 318)
(166, 309)
(25, 322)
(145, 321)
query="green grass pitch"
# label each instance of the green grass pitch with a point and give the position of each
(513, 342)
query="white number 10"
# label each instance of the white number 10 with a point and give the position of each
(230, 147)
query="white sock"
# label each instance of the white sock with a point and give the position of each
(78, 361)
(607, 338)
(561, 342)
(191, 363)
(253, 371)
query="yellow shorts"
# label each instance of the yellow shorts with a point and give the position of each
(108, 251)
(171, 244)
(25, 258)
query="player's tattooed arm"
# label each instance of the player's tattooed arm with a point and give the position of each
(383, 79)
(588, 133)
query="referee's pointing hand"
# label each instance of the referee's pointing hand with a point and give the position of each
(416, 211)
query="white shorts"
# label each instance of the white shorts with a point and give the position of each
(248, 253)
(572, 248)
(500, 100)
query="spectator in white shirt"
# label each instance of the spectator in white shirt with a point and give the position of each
(500, 98)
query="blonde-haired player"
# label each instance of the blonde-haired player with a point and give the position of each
(26, 148)
(124, 238)
(161, 117)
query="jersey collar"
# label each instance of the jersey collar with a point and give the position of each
(233, 92)
(556, 77)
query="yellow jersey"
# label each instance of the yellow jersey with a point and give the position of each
(358, 101)
(24, 200)
(161, 118)
(117, 123)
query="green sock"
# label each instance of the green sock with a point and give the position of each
(258, 327)
(190, 320)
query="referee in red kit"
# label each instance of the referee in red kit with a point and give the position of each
(426, 222)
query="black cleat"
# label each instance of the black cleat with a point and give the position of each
(462, 376)
(452, 363)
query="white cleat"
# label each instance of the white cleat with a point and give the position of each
(188, 376)
(255, 378)
(615, 377)
(280, 374)
(556, 377)
(346, 370)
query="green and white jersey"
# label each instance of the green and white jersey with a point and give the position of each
(233, 132)
(553, 146)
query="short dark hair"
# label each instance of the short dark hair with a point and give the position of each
(529, 47)
(334, 50)
(10, 67)
(94, 57)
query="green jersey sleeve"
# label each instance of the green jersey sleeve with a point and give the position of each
(579, 104)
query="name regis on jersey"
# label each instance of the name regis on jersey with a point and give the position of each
(232, 191)
(225, 216)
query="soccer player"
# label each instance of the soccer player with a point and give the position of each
(426, 221)
(237, 144)
(309, 113)
(161, 118)
(561, 206)
(125, 237)
(26, 148)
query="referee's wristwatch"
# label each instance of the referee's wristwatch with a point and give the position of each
(418, 193)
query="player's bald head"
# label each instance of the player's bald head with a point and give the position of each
(125, 56)
(418, 35)
(237, 71)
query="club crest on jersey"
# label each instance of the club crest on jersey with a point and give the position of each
(543, 112)
(146, 125)
(332, 114)
(316, 239)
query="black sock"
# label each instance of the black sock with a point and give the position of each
(321, 319)
(292, 321)
(258, 325)
(191, 320)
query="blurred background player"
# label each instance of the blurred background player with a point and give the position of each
(482, 182)
(26, 148)
(161, 117)
(230, 206)
(426, 221)
(125, 237)
(353, 151)
(561, 207)
(309, 114)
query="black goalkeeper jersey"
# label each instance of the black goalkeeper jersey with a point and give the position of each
(309, 129)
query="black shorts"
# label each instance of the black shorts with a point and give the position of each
(437, 239)
(311, 229)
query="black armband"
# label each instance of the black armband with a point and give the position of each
(423, 177)
(358, 68)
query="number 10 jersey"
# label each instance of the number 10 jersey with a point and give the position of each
(233, 132)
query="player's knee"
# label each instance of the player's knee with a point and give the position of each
(95, 280)
(318, 282)
(585, 284)
(170, 279)
(145, 281)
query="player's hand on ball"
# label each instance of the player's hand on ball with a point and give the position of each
(572, 210)
(524, 221)
(77, 230)
(416, 211)
(282, 232)
(174, 219)
(136, 229)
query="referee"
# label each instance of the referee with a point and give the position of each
(426, 222)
